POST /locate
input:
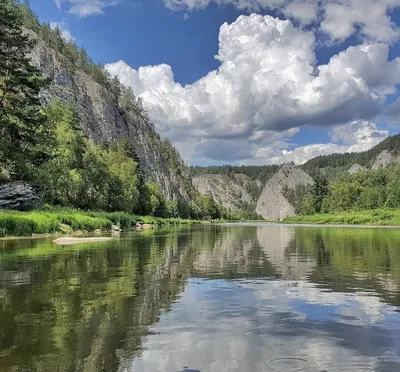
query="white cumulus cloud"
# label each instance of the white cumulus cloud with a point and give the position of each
(267, 86)
(338, 18)
(86, 8)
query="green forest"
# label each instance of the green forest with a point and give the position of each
(371, 196)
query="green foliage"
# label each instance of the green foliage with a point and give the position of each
(49, 221)
(172, 156)
(84, 174)
(123, 220)
(362, 191)
(157, 201)
(60, 177)
(183, 209)
(342, 196)
(377, 217)
(207, 208)
(38, 222)
(24, 135)
(319, 192)
(307, 205)
(296, 196)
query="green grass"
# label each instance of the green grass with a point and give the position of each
(123, 220)
(377, 217)
(50, 221)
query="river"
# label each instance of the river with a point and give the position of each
(201, 298)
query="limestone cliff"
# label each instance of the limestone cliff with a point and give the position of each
(103, 120)
(273, 205)
(355, 168)
(385, 159)
(232, 191)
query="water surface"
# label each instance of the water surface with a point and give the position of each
(204, 298)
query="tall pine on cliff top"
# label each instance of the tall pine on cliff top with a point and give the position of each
(23, 131)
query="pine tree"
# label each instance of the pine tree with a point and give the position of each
(320, 190)
(22, 123)
(31, 20)
(116, 89)
(128, 99)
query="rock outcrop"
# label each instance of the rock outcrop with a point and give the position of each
(272, 204)
(355, 168)
(385, 159)
(102, 120)
(18, 195)
(232, 191)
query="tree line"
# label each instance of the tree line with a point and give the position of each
(367, 190)
(261, 172)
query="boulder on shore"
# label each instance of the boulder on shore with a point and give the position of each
(18, 195)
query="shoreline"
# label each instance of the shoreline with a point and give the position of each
(292, 224)
(60, 222)
(88, 234)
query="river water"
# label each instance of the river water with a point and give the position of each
(204, 298)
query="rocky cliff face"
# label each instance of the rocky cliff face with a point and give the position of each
(18, 195)
(232, 191)
(355, 168)
(102, 120)
(385, 159)
(272, 204)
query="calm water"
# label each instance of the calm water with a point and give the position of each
(204, 298)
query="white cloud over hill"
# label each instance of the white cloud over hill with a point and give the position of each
(267, 87)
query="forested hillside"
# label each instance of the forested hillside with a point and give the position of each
(77, 135)
(345, 161)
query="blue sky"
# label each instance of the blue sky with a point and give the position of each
(279, 91)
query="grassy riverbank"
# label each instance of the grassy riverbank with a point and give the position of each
(14, 223)
(377, 217)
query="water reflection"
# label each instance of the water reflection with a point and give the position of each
(204, 298)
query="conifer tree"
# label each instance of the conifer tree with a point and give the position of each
(22, 123)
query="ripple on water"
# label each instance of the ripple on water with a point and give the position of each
(291, 364)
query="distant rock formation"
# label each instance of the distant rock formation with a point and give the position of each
(272, 204)
(232, 191)
(385, 159)
(355, 168)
